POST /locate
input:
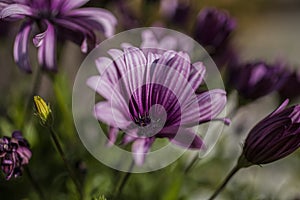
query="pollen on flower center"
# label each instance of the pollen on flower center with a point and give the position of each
(142, 120)
(149, 125)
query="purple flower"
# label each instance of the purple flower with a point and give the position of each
(290, 89)
(175, 11)
(213, 28)
(126, 17)
(56, 18)
(14, 154)
(275, 137)
(150, 95)
(254, 80)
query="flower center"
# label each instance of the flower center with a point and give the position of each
(142, 120)
(47, 14)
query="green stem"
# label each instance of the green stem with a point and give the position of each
(191, 164)
(227, 179)
(35, 183)
(123, 182)
(35, 87)
(67, 165)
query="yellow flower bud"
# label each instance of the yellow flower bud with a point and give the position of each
(42, 110)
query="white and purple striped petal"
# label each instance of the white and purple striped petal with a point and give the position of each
(140, 148)
(21, 55)
(96, 18)
(71, 4)
(46, 43)
(15, 11)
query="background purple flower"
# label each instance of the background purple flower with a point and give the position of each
(254, 80)
(213, 28)
(14, 154)
(148, 98)
(291, 88)
(56, 18)
(175, 11)
(274, 137)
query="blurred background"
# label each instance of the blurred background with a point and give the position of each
(266, 30)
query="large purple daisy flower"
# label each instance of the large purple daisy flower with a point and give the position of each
(150, 95)
(54, 18)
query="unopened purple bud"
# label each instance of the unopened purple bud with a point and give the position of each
(213, 28)
(254, 80)
(274, 137)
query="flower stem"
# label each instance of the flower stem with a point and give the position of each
(67, 165)
(123, 182)
(227, 179)
(35, 87)
(191, 164)
(34, 183)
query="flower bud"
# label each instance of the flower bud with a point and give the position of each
(275, 137)
(43, 110)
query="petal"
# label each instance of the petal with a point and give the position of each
(140, 148)
(168, 43)
(56, 4)
(78, 32)
(209, 105)
(71, 4)
(265, 132)
(108, 71)
(109, 92)
(46, 42)
(119, 61)
(17, 135)
(187, 139)
(295, 115)
(112, 136)
(102, 87)
(197, 75)
(21, 56)
(106, 113)
(280, 108)
(136, 62)
(148, 39)
(171, 70)
(16, 10)
(102, 64)
(84, 46)
(100, 19)
(3, 5)
(181, 62)
(129, 136)
(25, 154)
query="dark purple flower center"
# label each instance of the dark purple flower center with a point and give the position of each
(143, 120)
(46, 14)
(153, 107)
